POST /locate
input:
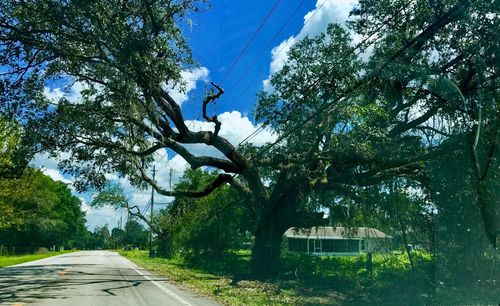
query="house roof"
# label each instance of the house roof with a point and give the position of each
(330, 232)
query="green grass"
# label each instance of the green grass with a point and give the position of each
(6, 261)
(306, 280)
(313, 280)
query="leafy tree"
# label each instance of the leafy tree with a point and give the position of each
(10, 139)
(464, 254)
(347, 123)
(135, 234)
(207, 226)
(37, 211)
(117, 236)
(15, 150)
(101, 238)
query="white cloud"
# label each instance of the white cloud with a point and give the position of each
(71, 93)
(48, 166)
(190, 77)
(315, 22)
(101, 216)
(53, 94)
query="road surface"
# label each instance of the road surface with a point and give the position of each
(89, 278)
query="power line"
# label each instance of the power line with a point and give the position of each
(250, 41)
(145, 209)
(265, 48)
(359, 45)
(269, 43)
(281, 48)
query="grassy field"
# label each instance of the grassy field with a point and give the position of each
(306, 280)
(17, 259)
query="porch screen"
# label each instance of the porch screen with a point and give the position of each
(297, 245)
(341, 245)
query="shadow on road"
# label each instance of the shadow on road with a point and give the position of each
(34, 283)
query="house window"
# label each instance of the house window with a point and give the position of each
(363, 247)
(343, 246)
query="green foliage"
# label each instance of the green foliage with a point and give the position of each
(15, 151)
(9, 137)
(209, 225)
(355, 124)
(118, 51)
(313, 280)
(38, 211)
(100, 239)
(135, 235)
(463, 251)
(111, 195)
(350, 120)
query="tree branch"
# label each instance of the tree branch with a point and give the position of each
(208, 99)
(200, 161)
(220, 180)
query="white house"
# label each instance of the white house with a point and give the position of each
(328, 240)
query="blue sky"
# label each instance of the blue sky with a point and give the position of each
(217, 37)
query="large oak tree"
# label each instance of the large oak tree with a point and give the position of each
(343, 123)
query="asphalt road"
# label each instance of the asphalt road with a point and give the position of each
(89, 278)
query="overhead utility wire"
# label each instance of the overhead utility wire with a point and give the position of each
(243, 50)
(281, 48)
(250, 41)
(269, 43)
(146, 208)
(359, 45)
(263, 126)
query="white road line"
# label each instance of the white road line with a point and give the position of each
(157, 284)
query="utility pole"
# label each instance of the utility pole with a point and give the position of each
(151, 216)
(121, 220)
(170, 177)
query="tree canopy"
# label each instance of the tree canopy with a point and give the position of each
(348, 115)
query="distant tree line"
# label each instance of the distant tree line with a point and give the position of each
(132, 236)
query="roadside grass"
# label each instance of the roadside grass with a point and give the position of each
(306, 280)
(10, 260)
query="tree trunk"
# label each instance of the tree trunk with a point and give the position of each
(266, 252)
(164, 246)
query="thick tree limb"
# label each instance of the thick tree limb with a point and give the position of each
(200, 161)
(173, 111)
(406, 126)
(220, 180)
